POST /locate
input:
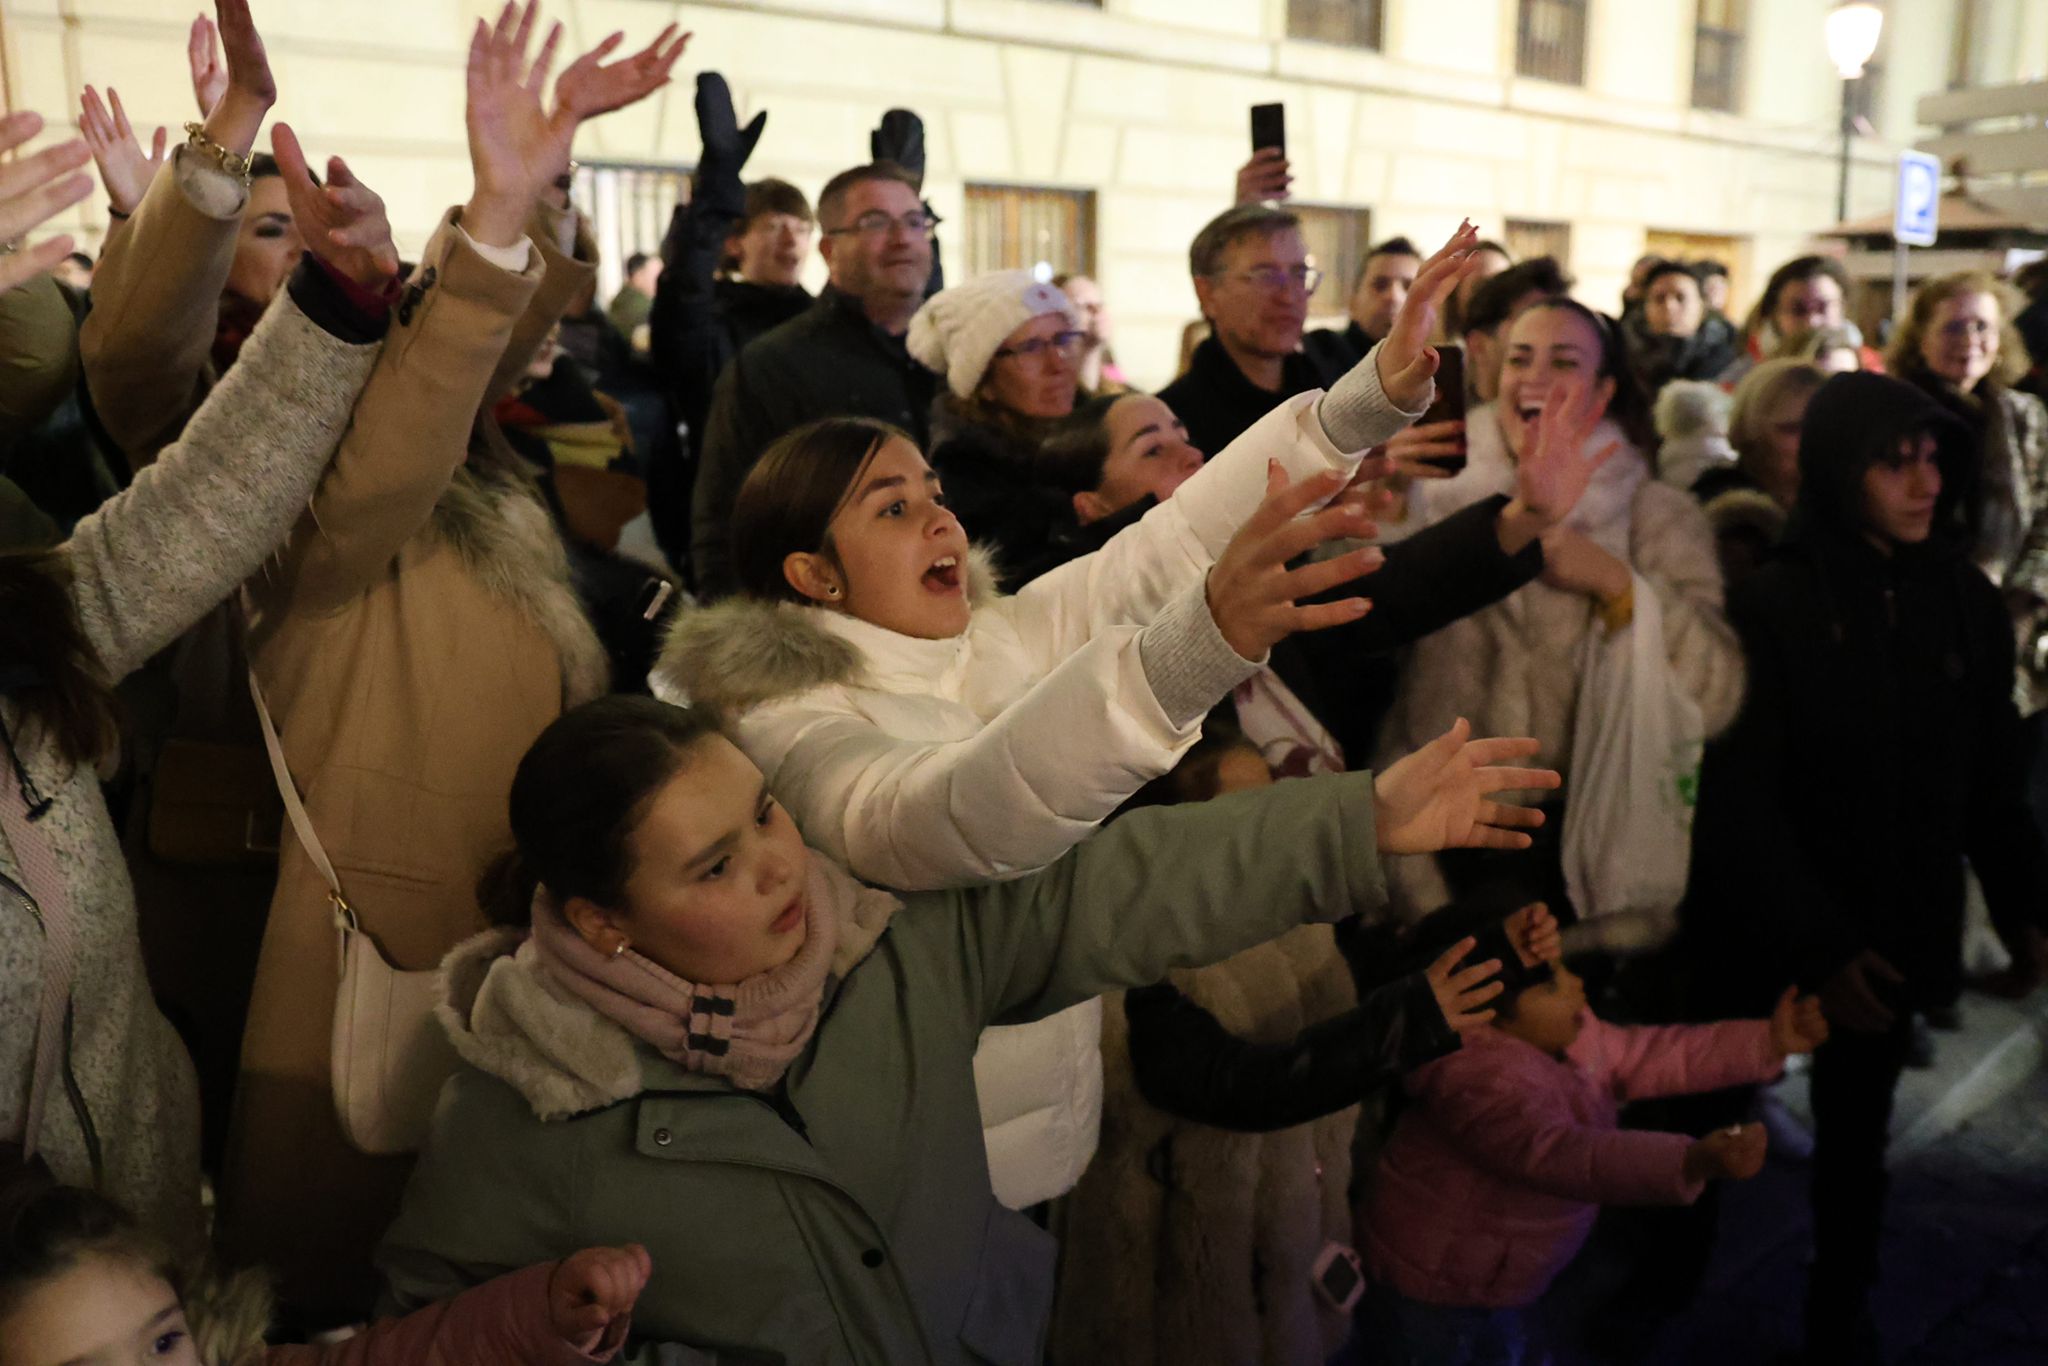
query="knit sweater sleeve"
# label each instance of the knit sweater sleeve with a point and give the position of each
(158, 556)
(1190, 1066)
(1673, 547)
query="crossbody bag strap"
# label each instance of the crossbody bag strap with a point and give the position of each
(302, 823)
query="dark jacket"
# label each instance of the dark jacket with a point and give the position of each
(992, 487)
(698, 324)
(1217, 403)
(829, 361)
(1878, 747)
(1657, 360)
(1333, 350)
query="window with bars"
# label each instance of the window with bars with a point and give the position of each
(1527, 237)
(627, 206)
(1351, 23)
(1717, 54)
(1022, 227)
(1337, 240)
(1550, 41)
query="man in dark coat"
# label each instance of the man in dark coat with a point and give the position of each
(844, 356)
(1383, 283)
(1253, 278)
(1877, 751)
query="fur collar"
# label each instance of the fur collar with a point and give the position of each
(508, 1017)
(506, 538)
(734, 655)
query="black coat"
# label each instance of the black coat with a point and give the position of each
(1217, 403)
(1878, 746)
(1333, 350)
(829, 361)
(1001, 502)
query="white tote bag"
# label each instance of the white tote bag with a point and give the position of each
(1635, 780)
(389, 1054)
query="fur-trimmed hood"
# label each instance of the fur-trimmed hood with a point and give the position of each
(733, 655)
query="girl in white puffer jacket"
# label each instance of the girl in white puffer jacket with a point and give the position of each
(930, 734)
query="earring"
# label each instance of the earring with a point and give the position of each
(831, 590)
(619, 948)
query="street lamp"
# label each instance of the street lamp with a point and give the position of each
(1852, 30)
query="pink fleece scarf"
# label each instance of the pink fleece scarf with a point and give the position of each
(747, 1032)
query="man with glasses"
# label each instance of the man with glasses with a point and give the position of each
(844, 356)
(1253, 279)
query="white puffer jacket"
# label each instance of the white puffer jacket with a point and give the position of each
(925, 764)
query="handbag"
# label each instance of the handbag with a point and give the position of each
(1636, 749)
(389, 1055)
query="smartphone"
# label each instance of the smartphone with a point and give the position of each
(1339, 1277)
(1449, 404)
(1269, 127)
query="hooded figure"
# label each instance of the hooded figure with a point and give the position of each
(1877, 749)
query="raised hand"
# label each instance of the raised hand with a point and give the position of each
(32, 191)
(1441, 796)
(1798, 1025)
(728, 146)
(1462, 993)
(125, 168)
(1554, 472)
(239, 85)
(899, 138)
(1265, 177)
(588, 86)
(1406, 360)
(592, 1291)
(516, 146)
(1533, 932)
(1255, 598)
(343, 222)
(209, 72)
(1732, 1154)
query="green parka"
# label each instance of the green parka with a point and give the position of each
(847, 1218)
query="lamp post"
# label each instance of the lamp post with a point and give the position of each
(1852, 30)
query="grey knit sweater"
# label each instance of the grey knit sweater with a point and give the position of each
(145, 567)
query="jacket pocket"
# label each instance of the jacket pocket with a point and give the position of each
(1012, 1300)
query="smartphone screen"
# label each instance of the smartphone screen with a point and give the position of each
(1449, 404)
(1269, 126)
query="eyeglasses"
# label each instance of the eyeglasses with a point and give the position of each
(875, 223)
(1067, 344)
(1270, 278)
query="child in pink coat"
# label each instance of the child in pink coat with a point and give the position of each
(1510, 1145)
(81, 1283)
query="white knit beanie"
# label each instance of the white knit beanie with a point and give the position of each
(959, 330)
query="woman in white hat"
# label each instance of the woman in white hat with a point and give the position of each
(1009, 347)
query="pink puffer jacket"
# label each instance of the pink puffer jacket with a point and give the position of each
(1491, 1181)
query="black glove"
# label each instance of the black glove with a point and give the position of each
(900, 138)
(726, 146)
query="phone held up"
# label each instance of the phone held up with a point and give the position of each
(1269, 127)
(1449, 404)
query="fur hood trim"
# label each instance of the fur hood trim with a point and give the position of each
(734, 655)
(506, 1017)
(1746, 509)
(503, 533)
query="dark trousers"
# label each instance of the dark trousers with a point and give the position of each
(1854, 1076)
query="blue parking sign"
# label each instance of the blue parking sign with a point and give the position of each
(1916, 212)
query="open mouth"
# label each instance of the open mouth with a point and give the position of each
(791, 917)
(1529, 409)
(944, 575)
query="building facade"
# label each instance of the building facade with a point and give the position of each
(1100, 136)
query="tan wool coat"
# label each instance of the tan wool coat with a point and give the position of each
(414, 636)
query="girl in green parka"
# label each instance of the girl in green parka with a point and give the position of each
(800, 1148)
